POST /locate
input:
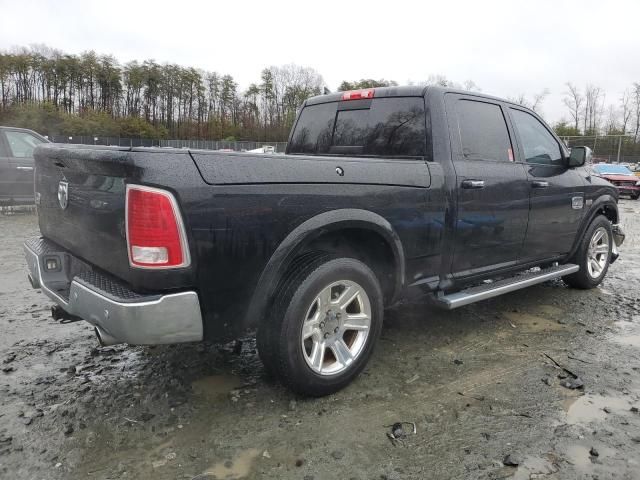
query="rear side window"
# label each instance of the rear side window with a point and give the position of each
(3, 150)
(538, 144)
(314, 129)
(383, 127)
(21, 144)
(483, 131)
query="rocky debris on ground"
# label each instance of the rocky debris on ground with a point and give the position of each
(572, 383)
(511, 460)
(337, 454)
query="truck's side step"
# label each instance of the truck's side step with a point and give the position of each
(490, 290)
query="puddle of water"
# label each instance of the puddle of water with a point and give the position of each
(239, 467)
(580, 458)
(590, 408)
(531, 323)
(215, 386)
(631, 340)
(532, 467)
(629, 333)
(623, 324)
(567, 403)
(550, 310)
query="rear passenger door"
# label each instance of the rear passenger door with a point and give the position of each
(557, 191)
(491, 187)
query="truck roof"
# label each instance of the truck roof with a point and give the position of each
(402, 91)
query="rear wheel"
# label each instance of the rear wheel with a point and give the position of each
(324, 324)
(635, 196)
(593, 255)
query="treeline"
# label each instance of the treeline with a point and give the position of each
(90, 94)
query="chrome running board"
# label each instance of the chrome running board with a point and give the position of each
(490, 290)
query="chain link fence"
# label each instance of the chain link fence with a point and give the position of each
(608, 148)
(237, 146)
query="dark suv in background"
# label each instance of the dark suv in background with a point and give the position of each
(16, 165)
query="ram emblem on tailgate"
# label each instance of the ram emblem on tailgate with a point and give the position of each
(63, 194)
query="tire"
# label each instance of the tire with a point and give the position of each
(593, 264)
(339, 302)
(263, 340)
(635, 196)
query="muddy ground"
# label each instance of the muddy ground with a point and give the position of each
(475, 381)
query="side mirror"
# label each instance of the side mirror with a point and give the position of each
(579, 156)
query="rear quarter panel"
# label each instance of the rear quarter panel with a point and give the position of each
(254, 202)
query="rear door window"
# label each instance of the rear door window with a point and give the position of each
(3, 149)
(382, 127)
(483, 131)
(314, 129)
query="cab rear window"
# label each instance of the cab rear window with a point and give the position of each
(382, 127)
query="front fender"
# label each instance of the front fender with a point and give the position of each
(308, 231)
(599, 205)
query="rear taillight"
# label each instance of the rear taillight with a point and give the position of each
(155, 232)
(358, 94)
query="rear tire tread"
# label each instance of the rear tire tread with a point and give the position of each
(267, 334)
(274, 334)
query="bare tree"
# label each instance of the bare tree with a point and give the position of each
(611, 126)
(470, 85)
(593, 106)
(635, 102)
(573, 100)
(520, 99)
(538, 99)
(626, 110)
(440, 81)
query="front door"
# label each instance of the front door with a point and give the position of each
(557, 193)
(19, 145)
(8, 174)
(491, 187)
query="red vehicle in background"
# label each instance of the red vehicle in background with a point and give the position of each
(623, 178)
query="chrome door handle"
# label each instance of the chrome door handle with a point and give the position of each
(24, 168)
(473, 184)
(539, 184)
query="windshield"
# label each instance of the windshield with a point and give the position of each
(612, 170)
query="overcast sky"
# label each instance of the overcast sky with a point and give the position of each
(505, 47)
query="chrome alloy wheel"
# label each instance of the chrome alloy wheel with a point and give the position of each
(598, 252)
(336, 327)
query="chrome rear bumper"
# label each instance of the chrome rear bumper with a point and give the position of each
(117, 312)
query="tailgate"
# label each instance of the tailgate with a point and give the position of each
(80, 196)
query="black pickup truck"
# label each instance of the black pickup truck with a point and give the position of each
(383, 194)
